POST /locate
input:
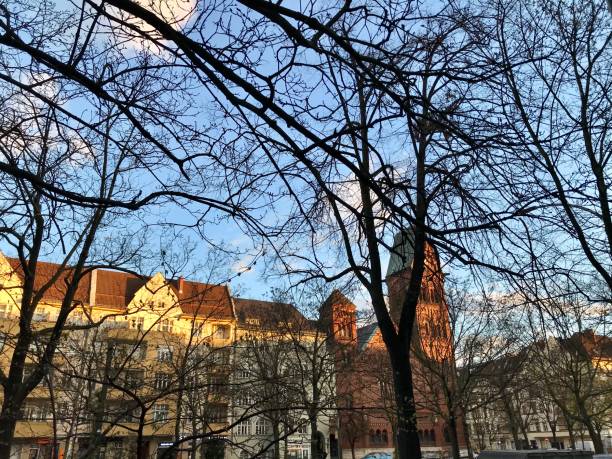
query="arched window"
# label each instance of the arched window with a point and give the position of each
(420, 435)
(378, 436)
(385, 437)
(446, 435)
(432, 435)
(372, 437)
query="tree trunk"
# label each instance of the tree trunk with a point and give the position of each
(515, 436)
(140, 443)
(407, 434)
(452, 430)
(525, 437)
(8, 421)
(11, 403)
(595, 437)
(466, 435)
(314, 440)
(276, 435)
(570, 431)
(286, 451)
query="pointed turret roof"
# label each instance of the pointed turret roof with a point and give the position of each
(402, 252)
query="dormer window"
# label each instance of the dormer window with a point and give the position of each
(252, 321)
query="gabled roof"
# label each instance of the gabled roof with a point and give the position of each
(335, 298)
(365, 335)
(588, 344)
(204, 300)
(115, 289)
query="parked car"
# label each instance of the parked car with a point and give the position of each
(378, 455)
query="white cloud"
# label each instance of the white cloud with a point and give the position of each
(176, 13)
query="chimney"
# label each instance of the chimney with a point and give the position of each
(181, 284)
(93, 284)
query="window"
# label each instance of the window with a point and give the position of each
(35, 412)
(244, 374)
(33, 348)
(243, 428)
(217, 413)
(160, 412)
(217, 385)
(28, 369)
(252, 321)
(221, 332)
(127, 351)
(134, 378)
(165, 326)
(379, 437)
(262, 427)
(5, 310)
(294, 453)
(131, 414)
(164, 353)
(162, 380)
(386, 390)
(302, 428)
(198, 327)
(137, 323)
(221, 356)
(244, 399)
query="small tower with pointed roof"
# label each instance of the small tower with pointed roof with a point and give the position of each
(338, 317)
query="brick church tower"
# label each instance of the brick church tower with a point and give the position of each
(432, 328)
(364, 383)
(432, 342)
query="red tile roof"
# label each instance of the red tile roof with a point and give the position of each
(204, 300)
(115, 290)
(269, 313)
(57, 290)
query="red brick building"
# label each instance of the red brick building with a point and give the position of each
(364, 378)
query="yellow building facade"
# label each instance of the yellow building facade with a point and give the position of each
(145, 364)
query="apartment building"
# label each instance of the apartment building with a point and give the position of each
(539, 397)
(156, 367)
